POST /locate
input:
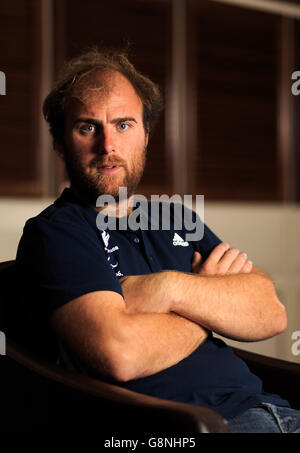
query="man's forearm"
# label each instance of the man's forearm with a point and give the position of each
(244, 307)
(156, 341)
(241, 306)
(98, 331)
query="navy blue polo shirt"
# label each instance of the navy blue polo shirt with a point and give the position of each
(63, 255)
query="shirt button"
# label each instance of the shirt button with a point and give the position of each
(136, 240)
(150, 258)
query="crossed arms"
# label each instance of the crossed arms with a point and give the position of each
(165, 316)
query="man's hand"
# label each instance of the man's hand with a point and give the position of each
(222, 260)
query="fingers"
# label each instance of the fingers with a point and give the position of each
(224, 260)
(235, 261)
(247, 267)
(218, 253)
(238, 261)
(214, 265)
(196, 263)
(196, 257)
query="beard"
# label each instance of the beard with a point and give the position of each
(90, 185)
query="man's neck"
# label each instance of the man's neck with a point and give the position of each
(117, 209)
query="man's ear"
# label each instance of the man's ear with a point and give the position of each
(147, 134)
(59, 148)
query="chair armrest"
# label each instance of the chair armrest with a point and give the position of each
(278, 376)
(92, 394)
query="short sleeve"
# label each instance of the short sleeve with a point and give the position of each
(207, 243)
(61, 259)
(208, 240)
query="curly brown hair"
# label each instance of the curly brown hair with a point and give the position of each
(74, 70)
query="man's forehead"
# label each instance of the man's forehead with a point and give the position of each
(97, 85)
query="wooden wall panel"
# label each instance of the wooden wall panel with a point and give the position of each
(235, 51)
(146, 26)
(296, 110)
(233, 78)
(20, 108)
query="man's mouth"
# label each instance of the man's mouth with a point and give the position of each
(108, 169)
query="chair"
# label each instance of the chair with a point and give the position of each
(38, 395)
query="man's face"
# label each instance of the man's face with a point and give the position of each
(105, 140)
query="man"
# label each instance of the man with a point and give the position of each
(137, 306)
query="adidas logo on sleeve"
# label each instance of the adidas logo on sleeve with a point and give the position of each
(177, 240)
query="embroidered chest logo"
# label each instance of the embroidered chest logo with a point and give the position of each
(110, 258)
(177, 240)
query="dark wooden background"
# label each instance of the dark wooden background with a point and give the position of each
(236, 85)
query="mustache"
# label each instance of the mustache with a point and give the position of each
(107, 163)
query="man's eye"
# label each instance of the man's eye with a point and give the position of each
(123, 126)
(88, 128)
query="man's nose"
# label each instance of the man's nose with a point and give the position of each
(107, 142)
